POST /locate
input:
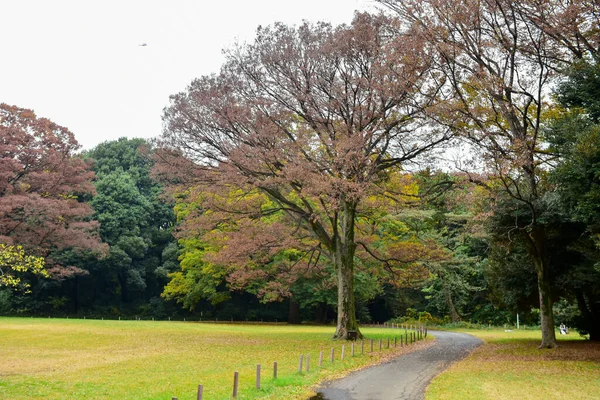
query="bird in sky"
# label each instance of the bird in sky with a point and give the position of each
(143, 45)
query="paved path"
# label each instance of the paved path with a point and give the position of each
(405, 377)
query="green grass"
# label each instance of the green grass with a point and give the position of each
(91, 359)
(510, 366)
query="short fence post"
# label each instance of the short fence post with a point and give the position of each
(371, 345)
(275, 370)
(352, 349)
(236, 377)
(380, 341)
(388, 343)
(395, 341)
(258, 376)
(307, 362)
(332, 353)
(300, 364)
(200, 392)
(343, 351)
(320, 358)
(362, 347)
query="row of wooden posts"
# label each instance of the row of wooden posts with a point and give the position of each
(419, 333)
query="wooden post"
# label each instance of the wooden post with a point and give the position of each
(371, 345)
(321, 358)
(352, 349)
(388, 343)
(200, 392)
(173, 398)
(275, 370)
(258, 376)
(343, 350)
(307, 362)
(236, 377)
(380, 341)
(332, 353)
(300, 364)
(395, 341)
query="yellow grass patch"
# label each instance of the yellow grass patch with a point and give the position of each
(510, 366)
(77, 359)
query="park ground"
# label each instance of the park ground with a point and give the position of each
(510, 366)
(91, 359)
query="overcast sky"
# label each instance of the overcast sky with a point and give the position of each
(80, 62)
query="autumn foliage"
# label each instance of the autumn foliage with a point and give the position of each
(41, 181)
(315, 118)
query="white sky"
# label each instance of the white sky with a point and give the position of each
(79, 62)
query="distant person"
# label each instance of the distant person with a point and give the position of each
(563, 329)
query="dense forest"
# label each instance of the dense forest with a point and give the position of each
(419, 164)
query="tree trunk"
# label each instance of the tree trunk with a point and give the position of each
(343, 252)
(294, 313)
(321, 313)
(123, 286)
(76, 294)
(590, 312)
(538, 254)
(448, 298)
(546, 316)
(453, 313)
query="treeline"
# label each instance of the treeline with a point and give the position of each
(300, 183)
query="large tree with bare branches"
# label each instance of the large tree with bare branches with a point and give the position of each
(315, 118)
(499, 59)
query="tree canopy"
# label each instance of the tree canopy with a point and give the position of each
(313, 117)
(42, 182)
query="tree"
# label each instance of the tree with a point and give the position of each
(575, 136)
(14, 264)
(313, 117)
(41, 185)
(499, 67)
(134, 220)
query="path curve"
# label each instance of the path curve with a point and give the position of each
(405, 377)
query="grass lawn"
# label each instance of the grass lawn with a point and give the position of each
(91, 359)
(510, 366)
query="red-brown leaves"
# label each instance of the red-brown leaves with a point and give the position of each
(40, 179)
(311, 118)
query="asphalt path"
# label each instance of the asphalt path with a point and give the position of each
(405, 377)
